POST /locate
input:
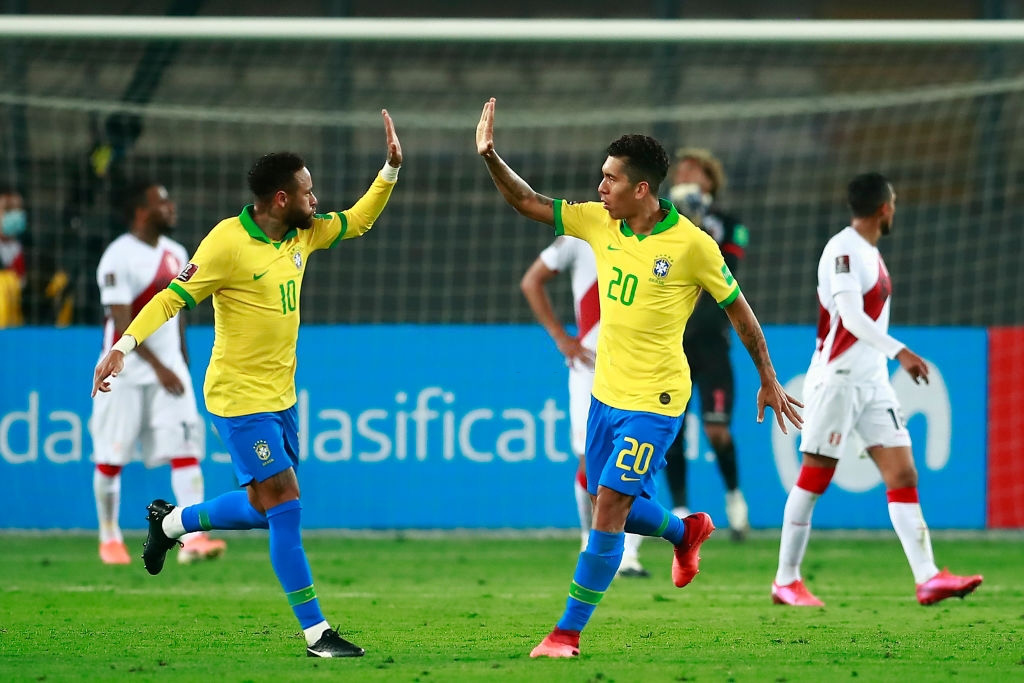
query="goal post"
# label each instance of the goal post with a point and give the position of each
(793, 108)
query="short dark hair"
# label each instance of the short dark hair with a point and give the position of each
(644, 157)
(273, 172)
(136, 197)
(867, 193)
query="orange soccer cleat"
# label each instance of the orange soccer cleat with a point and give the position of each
(201, 547)
(686, 555)
(114, 552)
(558, 644)
(945, 585)
(795, 594)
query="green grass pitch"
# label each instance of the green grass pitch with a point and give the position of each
(449, 607)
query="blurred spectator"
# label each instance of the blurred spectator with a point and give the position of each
(12, 259)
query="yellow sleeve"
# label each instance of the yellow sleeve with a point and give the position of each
(709, 269)
(208, 270)
(577, 220)
(161, 308)
(330, 229)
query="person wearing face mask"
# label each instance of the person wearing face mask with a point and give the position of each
(13, 222)
(698, 180)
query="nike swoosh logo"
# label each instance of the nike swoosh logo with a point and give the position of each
(611, 248)
(257, 277)
(625, 478)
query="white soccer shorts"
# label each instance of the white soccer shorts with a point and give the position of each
(581, 385)
(834, 410)
(146, 422)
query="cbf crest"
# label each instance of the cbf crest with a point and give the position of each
(262, 450)
(662, 264)
(297, 260)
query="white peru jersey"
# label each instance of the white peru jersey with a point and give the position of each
(850, 263)
(131, 272)
(574, 255)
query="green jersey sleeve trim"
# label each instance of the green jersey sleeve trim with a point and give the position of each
(344, 229)
(559, 227)
(185, 296)
(729, 299)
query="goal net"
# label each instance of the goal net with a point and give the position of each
(792, 114)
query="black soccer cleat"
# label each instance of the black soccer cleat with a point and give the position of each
(333, 645)
(154, 552)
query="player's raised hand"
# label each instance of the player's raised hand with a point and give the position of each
(111, 364)
(915, 366)
(485, 129)
(772, 394)
(394, 146)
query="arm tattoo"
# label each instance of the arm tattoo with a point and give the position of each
(753, 339)
(512, 187)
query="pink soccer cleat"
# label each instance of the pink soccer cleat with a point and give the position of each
(795, 594)
(559, 644)
(686, 554)
(114, 552)
(201, 547)
(945, 585)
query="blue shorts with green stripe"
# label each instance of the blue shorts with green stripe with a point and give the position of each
(261, 444)
(626, 448)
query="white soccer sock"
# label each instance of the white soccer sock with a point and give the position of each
(631, 546)
(796, 530)
(314, 632)
(107, 491)
(187, 484)
(172, 525)
(908, 521)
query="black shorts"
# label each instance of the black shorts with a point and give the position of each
(711, 372)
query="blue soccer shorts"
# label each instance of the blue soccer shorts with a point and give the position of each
(261, 444)
(626, 448)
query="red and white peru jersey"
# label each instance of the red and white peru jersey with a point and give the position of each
(850, 263)
(574, 255)
(132, 272)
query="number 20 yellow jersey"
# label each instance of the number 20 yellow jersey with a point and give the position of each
(648, 286)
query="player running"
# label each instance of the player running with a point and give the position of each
(847, 389)
(253, 266)
(651, 266)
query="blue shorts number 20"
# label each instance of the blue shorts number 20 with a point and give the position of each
(626, 448)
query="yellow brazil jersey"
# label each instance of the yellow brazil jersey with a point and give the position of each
(255, 284)
(648, 286)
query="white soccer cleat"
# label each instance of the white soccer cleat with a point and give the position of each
(736, 512)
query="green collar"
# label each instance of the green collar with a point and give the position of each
(256, 232)
(670, 219)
